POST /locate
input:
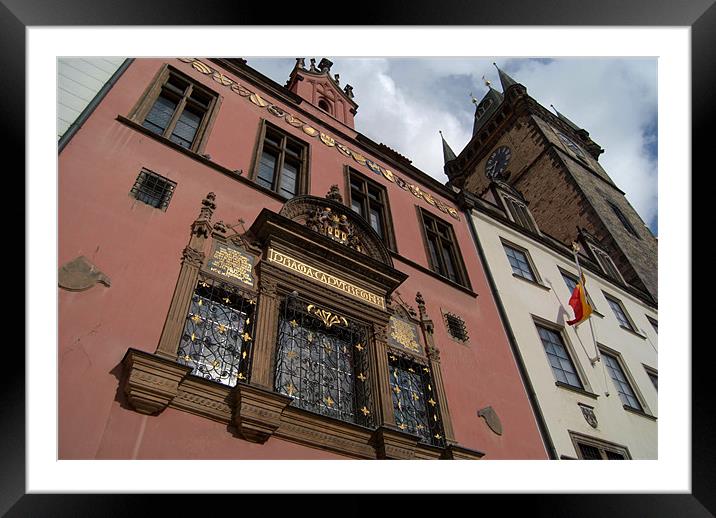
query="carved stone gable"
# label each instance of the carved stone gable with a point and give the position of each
(330, 218)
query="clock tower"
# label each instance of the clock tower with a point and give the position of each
(555, 165)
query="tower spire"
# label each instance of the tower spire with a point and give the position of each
(505, 79)
(448, 153)
(565, 119)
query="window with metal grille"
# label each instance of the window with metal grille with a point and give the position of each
(370, 200)
(559, 359)
(620, 313)
(415, 407)
(153, 189)
(179, 109)
(520, 213)
(322, 362)
(456, 327)
(443, 252)
(520, 263)
(626, 393)
(218, 333)
(620, 215)
(281, 163)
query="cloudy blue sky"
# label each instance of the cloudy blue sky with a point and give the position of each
(403, 102)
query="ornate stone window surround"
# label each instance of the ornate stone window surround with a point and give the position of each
(253, 410)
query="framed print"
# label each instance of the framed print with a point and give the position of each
(259, 222)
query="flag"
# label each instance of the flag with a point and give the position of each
(579, 304)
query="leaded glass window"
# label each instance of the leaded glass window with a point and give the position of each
(559, 359)
(322, 362)
(620, 381)
(218, 333)
(414, 401)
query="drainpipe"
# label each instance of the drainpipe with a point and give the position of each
(466, 205)
(75, 126)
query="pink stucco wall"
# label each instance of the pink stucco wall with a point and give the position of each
(139, 248)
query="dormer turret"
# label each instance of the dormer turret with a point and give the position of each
(317, 86)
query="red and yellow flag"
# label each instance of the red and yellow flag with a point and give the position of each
(579, 304)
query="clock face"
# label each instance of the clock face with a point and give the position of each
(497, 163)
(571, 144)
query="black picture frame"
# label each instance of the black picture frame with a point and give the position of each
(699, 15)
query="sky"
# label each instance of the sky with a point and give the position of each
(404, 102)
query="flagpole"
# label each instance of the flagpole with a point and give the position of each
(582, 279)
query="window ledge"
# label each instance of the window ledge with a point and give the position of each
(576, 389)
(639, 412)
(534, 283)
(635, 333)
(153, 383)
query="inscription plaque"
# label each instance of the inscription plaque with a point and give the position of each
(404, 334)
(231, 263)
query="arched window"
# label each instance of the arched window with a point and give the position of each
(323, 105)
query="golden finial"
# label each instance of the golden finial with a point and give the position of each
(487, 81)
(475, 101)
(575, 247)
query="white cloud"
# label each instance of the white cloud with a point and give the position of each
(404, 102)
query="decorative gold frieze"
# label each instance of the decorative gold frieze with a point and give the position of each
(329, 319)
(327, 279)
(327, 140)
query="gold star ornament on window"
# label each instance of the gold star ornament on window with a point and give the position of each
(246, 337)
(365, 410)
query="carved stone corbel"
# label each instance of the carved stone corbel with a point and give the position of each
(394, 444)
(257, 412)
(151, 382)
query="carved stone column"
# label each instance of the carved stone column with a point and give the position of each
(381, 376)
(265, 331)
(192, 260)
(434, 356)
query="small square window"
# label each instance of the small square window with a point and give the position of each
(456, 327)
(153, 189)
(590, 448)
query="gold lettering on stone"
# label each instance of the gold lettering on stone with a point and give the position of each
(327, 279)
(233, 264)
(404, 333)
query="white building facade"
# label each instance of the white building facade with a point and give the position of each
(595, 385)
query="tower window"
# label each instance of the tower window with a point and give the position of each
(323, 105)
(627, 225)
(153, 189)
